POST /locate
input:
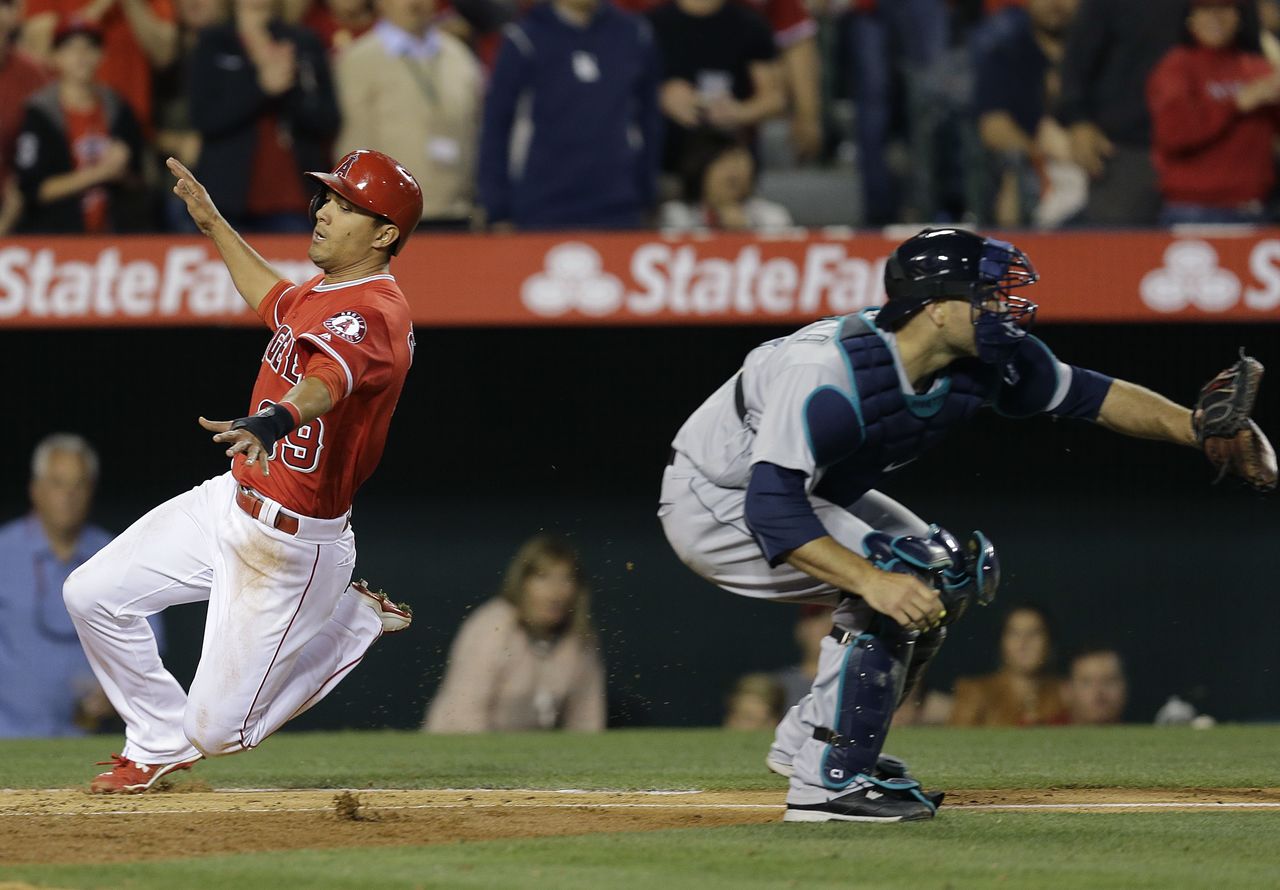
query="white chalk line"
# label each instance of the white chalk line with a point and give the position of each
(543, 805)
(632, 791)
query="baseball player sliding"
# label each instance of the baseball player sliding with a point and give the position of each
(770, 491)
(268, 544)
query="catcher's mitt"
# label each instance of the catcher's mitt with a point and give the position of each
(1230, 439)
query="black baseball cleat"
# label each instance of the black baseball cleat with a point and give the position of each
(880, 800)
(890, 767)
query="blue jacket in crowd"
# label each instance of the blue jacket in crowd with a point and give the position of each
(572, 131)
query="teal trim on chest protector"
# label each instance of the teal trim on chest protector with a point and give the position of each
(854, 397)
(922, 405)
(930, 403)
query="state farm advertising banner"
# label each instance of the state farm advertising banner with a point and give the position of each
(639, 278)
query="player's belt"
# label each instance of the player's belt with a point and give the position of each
(250, 502)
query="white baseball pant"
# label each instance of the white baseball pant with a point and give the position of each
(707, 528)
(282, 628)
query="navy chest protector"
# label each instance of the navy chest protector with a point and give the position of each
(856, 441)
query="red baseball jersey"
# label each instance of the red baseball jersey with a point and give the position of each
(364, 328)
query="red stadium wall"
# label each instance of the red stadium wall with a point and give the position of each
(639, 278)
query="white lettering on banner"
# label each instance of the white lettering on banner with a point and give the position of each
(1264, 263)
(673, 279)
(188, 280)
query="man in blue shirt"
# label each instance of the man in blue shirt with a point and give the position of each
(571, 123)
(48, 688)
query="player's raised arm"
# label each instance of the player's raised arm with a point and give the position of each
(253, 276)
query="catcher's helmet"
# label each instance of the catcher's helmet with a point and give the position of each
(952, 264)
(377, 183)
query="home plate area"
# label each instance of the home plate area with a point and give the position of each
(191, 819)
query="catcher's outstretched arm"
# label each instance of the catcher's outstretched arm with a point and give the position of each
(1137, 411)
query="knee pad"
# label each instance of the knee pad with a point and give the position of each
(925, 647)
(871, 678)
(959, 574)
(974, 572)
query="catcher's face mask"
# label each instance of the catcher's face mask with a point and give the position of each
(1000, 319)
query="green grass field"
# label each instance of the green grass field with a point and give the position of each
(960, 849)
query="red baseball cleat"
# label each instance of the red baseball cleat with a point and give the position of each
(127, 777)
(395, 617)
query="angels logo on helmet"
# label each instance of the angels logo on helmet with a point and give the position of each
(349, 325)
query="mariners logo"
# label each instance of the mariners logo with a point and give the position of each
(349, 325)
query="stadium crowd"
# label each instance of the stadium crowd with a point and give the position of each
(689, 114)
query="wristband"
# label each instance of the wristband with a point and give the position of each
(269, 425)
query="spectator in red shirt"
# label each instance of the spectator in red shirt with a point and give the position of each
(1215, 111)
(78, 155)
(137, 37)
(20, 76)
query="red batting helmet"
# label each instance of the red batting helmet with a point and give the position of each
(379, 184)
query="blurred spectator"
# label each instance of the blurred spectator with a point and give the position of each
(48, 688)
(263, 103)
(1215, 113)
(1017, 54)
(1096, 688)
(924, 707)
(137, 37)
(795, 35)
(571, 128)
(414, 92)
(720, 69)
(812, 624)
(175, 135)
(479, 23)
(527, 659)
(892, 47)
(339, 23)
(1269, 28)
(757, 702)
(1111, 48)
(80, 151)
(718, 177)
(1021, 692)
(20, 76)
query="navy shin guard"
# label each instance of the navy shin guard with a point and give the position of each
(871, 682)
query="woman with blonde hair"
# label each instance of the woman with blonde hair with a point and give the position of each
(528, 658)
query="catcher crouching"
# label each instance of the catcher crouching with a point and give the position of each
(771, 490)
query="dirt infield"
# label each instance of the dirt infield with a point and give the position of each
(60, 826)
